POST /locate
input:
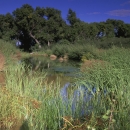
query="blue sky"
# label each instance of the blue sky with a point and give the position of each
(86, 10)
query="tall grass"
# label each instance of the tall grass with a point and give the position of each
(28, 98)
(114, 78)
(33, 99)
(7, 48)
(41, 106)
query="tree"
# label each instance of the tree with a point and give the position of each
(7, 27)
(40, 24)
(127, 30)
(54, 25)
(28, 22)
(72, 18)
(92, 30)
(109, 29)
(119, 26)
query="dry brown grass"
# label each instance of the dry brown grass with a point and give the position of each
(92, 63)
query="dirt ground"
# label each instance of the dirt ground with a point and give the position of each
(2, 75)
(2, 62)
(91, 63)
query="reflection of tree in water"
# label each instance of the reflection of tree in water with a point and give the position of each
(68, 68)
(36, 64)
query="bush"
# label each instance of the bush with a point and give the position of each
(60, 50)
(64, 41)
(109, 42)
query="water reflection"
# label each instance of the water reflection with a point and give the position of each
(69, 68)
(81, 100)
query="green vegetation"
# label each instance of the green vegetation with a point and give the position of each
(37, 27)
(33, 103)
(7, 48)
(29, 100)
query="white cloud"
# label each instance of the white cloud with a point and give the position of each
(92, 13)
(121, 12)
(125, 3)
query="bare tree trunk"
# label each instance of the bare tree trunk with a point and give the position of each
(35, 39)
(48, 65)
(38, 65)
(48, 43)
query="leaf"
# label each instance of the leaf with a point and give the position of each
(105, 117)
(113, 120)
(108, 112)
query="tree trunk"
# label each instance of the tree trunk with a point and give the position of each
(48, 43)
(35, 39)
(38, 65)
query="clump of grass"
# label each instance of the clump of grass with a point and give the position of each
(7, 48)
(37, 102)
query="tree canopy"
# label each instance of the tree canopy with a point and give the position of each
(45, 25)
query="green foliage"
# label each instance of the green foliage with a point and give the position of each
(7, 27)
(7, 48)
(113, 77)
(64, 41)
(72, 18)
(87, 56)
(75, 54)
(78, 51)
(60, 50)
(74, 51)
(29, 97)
(48, 52)
(35, 48)
(106, 43)
(43, 25)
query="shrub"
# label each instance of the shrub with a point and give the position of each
(64, 41)
(60, 50)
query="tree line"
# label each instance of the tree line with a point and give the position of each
(42, 26)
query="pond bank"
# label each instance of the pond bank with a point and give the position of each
(2, 62)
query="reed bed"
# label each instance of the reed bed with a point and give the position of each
(28, 98)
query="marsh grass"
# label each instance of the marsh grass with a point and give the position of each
(114, 79)
(29, 98)
(7, 48)
(32, 99)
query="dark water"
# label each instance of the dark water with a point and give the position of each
(67, 68)
(66, 71)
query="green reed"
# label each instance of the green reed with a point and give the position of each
(27, 97)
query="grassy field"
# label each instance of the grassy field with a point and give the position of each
(29, 102)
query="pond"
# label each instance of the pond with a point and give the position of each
(54, 68)
(75, 96)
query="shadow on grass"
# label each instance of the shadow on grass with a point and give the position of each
(24, 126)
